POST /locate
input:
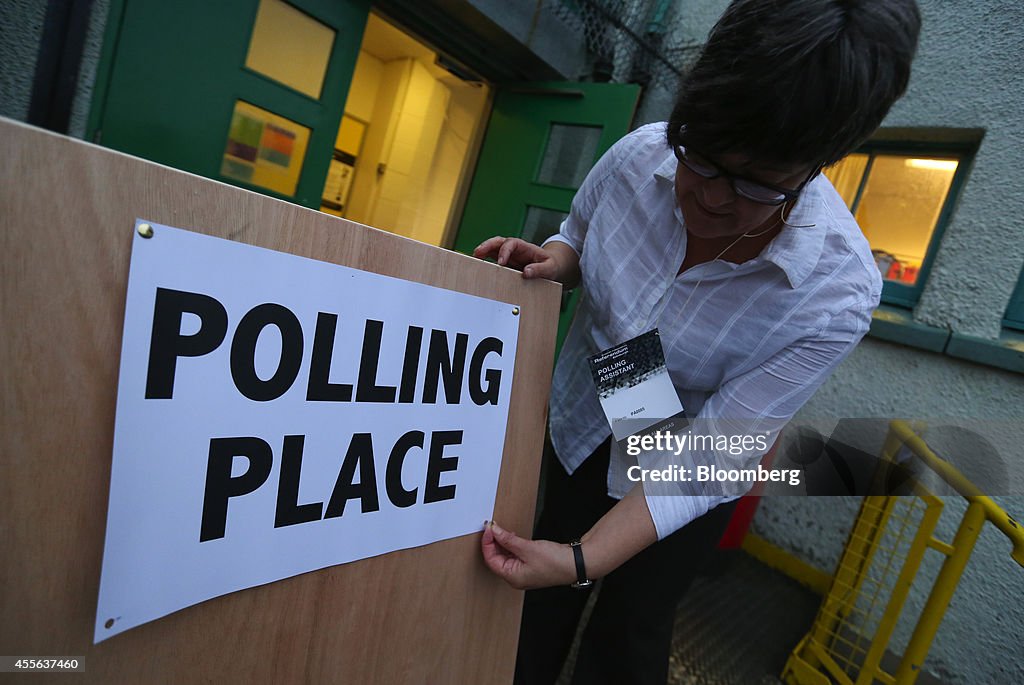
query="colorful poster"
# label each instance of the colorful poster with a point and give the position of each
(264, 149)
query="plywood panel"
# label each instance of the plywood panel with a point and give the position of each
(427, 615)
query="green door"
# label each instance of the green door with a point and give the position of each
(541, 141)
(249, 92)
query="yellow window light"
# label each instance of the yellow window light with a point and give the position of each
(940, 164)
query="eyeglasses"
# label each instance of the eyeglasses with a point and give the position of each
(755, 191)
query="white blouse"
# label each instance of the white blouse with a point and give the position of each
(754, 340)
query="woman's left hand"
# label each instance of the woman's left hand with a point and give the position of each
(526, 564)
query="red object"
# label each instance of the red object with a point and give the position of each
(745, 509)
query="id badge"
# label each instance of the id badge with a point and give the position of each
(634, 386)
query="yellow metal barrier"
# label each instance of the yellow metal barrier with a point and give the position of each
(883, 554)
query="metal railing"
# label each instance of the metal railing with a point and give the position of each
(851, 635)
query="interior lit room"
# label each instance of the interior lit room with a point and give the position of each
(897, 200)
(407, 138)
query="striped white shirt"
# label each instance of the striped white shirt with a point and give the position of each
(754, 341)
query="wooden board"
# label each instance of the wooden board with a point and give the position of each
(428, 615)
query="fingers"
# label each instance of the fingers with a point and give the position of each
(524, 563)
(508, 542)
(500, 545)
(488, 248)
(507, 250)
(512, 252)
(494, 556)
(534, 261)
(547, 269)
(499, 560)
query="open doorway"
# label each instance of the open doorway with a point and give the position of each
(408, 137)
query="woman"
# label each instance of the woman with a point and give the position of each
(718, 229)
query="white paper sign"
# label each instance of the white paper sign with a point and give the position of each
(277, 415)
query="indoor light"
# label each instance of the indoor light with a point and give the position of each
(941, 164)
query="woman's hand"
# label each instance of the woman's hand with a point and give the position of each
(556, 262)
(622, 532)
(526, 564)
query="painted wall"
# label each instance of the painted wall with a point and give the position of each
(419, 129)
(417, 117)
(450, 161)
(362, 94)
(362, 100)
(966, 75)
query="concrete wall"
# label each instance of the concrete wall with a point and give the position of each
(19, 47)
(967, 75)
(687, 30)
(87, 69)
(23, 28)
(533, 23)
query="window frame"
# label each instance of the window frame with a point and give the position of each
(1013, 318)
(901, 294)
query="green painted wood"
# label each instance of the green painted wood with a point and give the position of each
(1005, 353)
(896, 325)
(174, 70)
(504, 184)
(1014, 317)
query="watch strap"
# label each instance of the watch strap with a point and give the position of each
(581, 569)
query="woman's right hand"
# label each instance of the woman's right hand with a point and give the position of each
(532, 260)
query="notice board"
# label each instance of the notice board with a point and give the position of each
(68, 214)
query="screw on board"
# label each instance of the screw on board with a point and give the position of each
(145, 230)
(515, 311)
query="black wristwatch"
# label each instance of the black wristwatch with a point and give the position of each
(581, 570)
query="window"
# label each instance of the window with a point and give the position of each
(902, 196)
(290, 47)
